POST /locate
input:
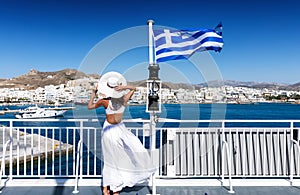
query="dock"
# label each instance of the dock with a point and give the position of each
(3, 112)
(27, 146)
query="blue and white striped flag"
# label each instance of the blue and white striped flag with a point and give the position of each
(179, 44)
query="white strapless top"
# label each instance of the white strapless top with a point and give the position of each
(114, 109)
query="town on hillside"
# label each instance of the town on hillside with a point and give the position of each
(78, 91)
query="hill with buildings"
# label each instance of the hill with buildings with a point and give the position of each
(252, 84)
(71, 85)
(34, 79)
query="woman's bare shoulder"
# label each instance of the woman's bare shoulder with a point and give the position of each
(102, 102)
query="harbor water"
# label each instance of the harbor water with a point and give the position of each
(261, 111)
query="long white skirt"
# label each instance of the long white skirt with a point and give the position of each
(126, 161)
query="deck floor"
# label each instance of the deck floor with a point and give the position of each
(177, 190)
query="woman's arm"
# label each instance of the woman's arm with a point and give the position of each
(127, 97)
(91, 104)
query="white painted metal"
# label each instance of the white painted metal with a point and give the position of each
(194, 153)
(79, 157)
(2, 170)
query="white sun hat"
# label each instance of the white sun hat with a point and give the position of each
(108, 82)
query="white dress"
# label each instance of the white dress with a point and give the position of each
(126, 161)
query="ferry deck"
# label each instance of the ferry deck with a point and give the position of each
(195, 157)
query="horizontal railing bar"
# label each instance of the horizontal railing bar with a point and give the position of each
(46, 120)
(233, 177)
(70, 120)
(55, 176)
(159, 120)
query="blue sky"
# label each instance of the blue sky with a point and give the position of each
(261, 37)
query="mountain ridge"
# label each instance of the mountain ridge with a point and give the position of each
(34, 79)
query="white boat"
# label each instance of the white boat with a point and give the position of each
(39, 112)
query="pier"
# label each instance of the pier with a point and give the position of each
(27, 147)
(2, 112)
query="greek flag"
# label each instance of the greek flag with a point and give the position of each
(179, 44)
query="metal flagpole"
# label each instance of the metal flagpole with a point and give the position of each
(152, 114)
(153, 101)
(150, 39)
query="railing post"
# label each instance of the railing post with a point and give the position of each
(153, 149)
(11, 149)
(81, 148)
(225, 145)
(2, 170)
(222, 156)
(3, 163)
(291, 151)
(79, 159)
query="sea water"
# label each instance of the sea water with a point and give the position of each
(261, 111)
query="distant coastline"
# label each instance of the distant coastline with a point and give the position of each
(71, 86)
(35, 79)
(144, 104)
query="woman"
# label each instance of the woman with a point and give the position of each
(126, 161)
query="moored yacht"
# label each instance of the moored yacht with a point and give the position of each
(39, 112)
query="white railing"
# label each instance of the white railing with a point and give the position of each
(70, 149)
(48, 151)
(254, 151)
